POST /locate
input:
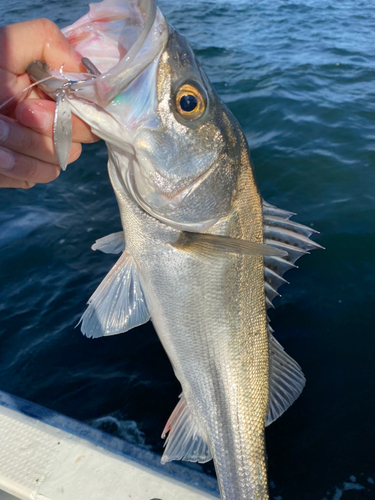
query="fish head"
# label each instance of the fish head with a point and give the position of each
(174, 147)
(188, 153)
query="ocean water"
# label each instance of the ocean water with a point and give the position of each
(300, 77)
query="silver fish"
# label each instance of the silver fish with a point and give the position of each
(201, 254)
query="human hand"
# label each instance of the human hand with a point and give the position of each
(27, 153)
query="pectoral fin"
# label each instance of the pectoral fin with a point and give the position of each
(210, 244)
(184, 441)
(118, 304)
(112, 243)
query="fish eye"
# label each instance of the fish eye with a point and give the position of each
(190, 102)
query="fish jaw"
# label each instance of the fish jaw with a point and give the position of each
(110, 29)
(131, 32)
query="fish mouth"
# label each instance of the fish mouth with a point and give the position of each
(119, 38)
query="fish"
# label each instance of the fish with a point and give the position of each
(201, 253)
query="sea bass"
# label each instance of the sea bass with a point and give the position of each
(201, 254)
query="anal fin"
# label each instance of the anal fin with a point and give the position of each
(184, 441)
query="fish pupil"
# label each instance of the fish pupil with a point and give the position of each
(188, 103)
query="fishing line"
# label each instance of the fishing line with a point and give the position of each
(34, 84)
(24, 90)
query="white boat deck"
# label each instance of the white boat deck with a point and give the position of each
(39, 461)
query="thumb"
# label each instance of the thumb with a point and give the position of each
(23, 43)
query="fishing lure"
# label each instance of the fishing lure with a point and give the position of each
(62, 123)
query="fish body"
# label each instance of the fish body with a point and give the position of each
(217, 344)
(202, 254)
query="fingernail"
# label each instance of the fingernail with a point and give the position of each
(34, 115)
(4, 130)
(6, 160)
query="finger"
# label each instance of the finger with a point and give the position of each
(14, 88)
(39, 115)
(9, 95)
(26, 141)
(37, 40)
(26, 168)
(9, 182)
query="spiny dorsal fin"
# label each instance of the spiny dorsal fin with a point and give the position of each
(118, 304)
(112, 243)
(286, 380)
(283, 234)
(184, 441)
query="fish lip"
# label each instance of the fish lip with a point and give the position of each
(38, 70)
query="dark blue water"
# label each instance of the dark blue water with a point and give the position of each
(300, 77)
